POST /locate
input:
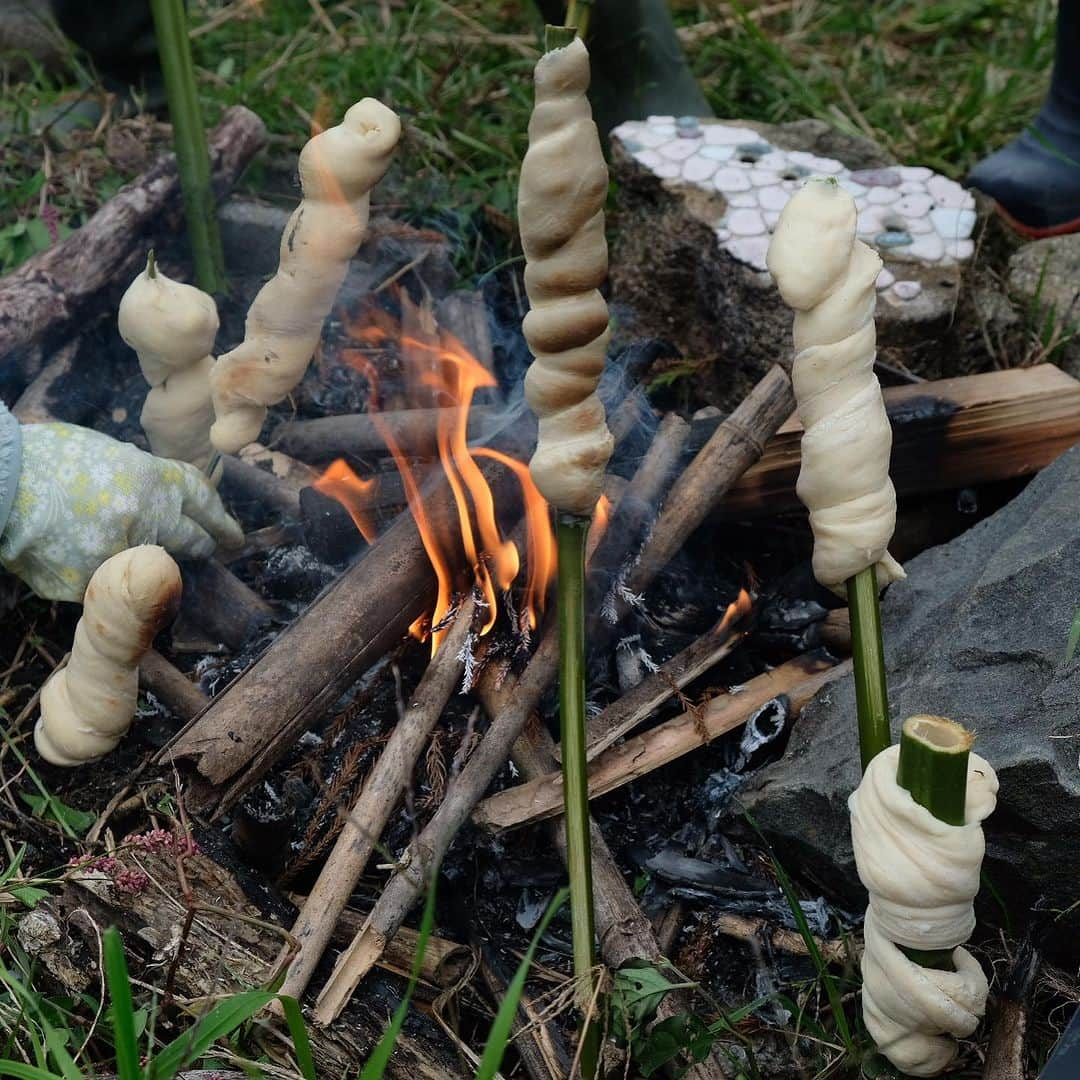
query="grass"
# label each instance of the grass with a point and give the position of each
(934, 82)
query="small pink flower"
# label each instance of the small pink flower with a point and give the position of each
(51, 218)
(131, 881)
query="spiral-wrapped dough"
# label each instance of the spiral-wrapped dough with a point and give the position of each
(561, 215)
(172, 326)
(88, 705)
(828, 277)
(338, 169)
(922, 876)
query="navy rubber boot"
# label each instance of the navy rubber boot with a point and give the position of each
(1036, 178)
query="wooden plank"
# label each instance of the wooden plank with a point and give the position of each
(947, 434)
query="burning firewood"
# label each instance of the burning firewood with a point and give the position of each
(733, 447)
(382, 791)
(338, 169)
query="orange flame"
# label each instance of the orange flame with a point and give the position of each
(540, 551)
(737, 610)
(341, 483)
(441, 372)
(600, 522)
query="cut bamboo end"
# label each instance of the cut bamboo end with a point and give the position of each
(558, 37)
(933, 765)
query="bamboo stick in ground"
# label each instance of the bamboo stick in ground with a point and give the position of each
(382, 791)
(623, 931)
(798, 680)
(733, 447)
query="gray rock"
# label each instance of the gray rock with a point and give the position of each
(978, 633)
(1046, 273)
(1044, 280)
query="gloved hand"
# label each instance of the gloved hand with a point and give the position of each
(83, 496)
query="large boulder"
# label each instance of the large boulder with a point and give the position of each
(698, 200)
(978, 633)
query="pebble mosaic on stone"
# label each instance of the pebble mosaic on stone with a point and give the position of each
(909, 213)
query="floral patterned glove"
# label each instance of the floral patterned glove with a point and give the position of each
(83, 496)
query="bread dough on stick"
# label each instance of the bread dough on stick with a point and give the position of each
(88, 705)
(172, 326)
(338, 169)
(828, 277)
(561, 198)
(922, 876)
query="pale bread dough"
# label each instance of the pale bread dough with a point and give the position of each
(922, 876)
(88, 705)
(338, 169)
(171, 326)
(828, 277)
(561, 198)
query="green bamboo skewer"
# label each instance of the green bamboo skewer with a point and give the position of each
(572, 531)
(933, 766)
(189, 140)
(868, 660)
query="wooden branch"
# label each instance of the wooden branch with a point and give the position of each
(356, 434)
(761, 931)
(953, 433)
(35, 404)
(1006, 1056)
(638, 506)
(221, 605)
(44, 300)
(244, 482)
(364, 613)
(465, 315)
(638, 704)
(383, 789)
(170, 686)
(731, 449)
(798, 680)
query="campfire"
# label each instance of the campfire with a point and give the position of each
(484, 629)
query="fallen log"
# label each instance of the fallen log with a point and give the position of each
(221, 605)
(797, 681)
(949, 434)
(383, 789)
(45, 298)
(732, 448)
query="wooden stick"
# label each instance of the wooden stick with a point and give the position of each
(735, 445)
(948, 434)
(383, 789)
(635, 706)
(356, 434)
(798, 680)
(639, 504)
(732, 448)
(170, 686)
(221, 605)
(746, 928)
(51, 293)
